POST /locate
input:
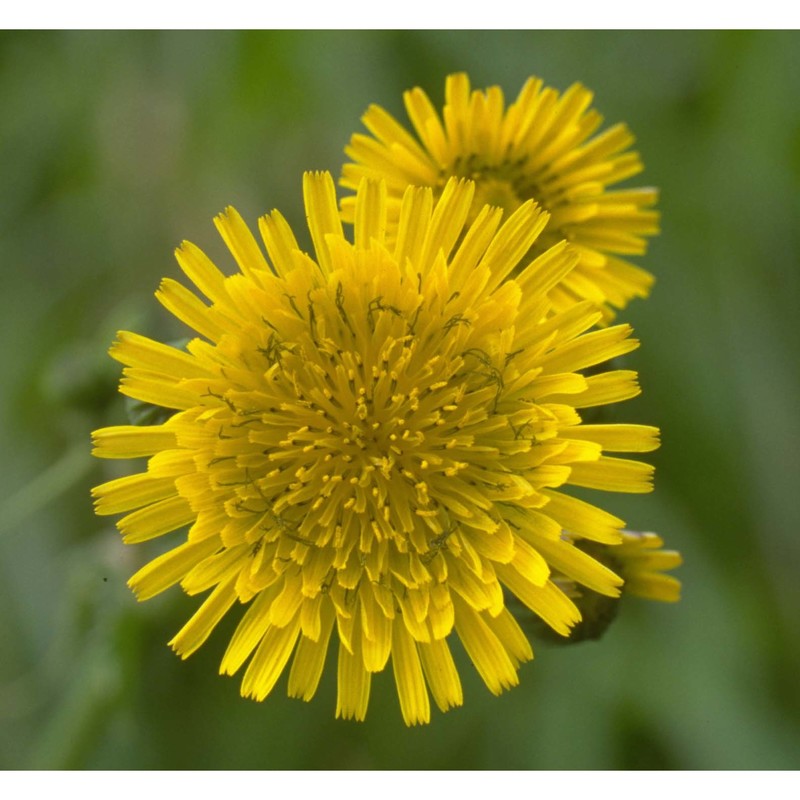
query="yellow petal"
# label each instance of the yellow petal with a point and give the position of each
(484, 649)
(279, 240)
(241, 242)
(171, 567)
(370, 221)
(618, 438)
(319, 195)
(441, 674)
(309, 659)
(156, 520)
(508, 631)
(411, 690)
(613, 475)
(202, 272)
(353, 681)
(132, 491)
(204, 620)
(576, 564)
(131, 441)
(548, 601)
(249, 632)
(582, 518)
(269, 660)
(189, 309)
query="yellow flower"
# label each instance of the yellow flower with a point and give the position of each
(374, 441)
(542, 147)
(641, 561)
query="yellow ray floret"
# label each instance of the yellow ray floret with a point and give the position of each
(543, 147)
(370, 448)
(642, 561)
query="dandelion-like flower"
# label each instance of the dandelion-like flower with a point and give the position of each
(542, 147)
(375, 441)
(641, 561)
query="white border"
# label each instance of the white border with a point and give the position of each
(410, 14)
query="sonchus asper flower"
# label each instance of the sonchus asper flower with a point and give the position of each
(543, 147)
(374, 441)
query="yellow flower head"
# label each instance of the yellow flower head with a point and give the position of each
(375, 441)
(542, 147)
(642, 562)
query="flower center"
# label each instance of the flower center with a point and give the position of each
(494, 192)
(505, 184)
(376, 420)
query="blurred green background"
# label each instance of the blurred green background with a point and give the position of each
(116, 146)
